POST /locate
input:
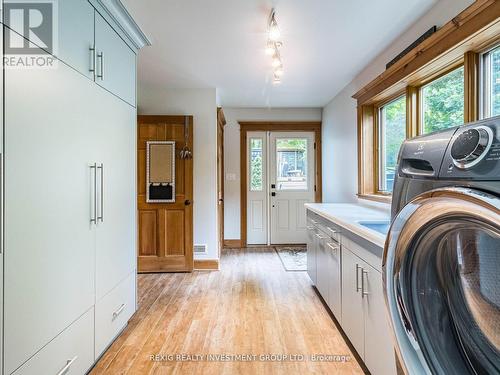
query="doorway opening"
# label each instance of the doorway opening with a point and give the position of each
(280, 173)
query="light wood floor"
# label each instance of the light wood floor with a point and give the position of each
(250, 306)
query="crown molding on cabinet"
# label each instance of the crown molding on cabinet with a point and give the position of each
(122, 19)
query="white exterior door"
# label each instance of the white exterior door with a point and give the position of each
(291, 174)
(280, 180)
(257, 189)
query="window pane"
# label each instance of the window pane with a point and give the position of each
(392, 134)
(256, 164)
(443, 102)
(291, 164)
(495, 82)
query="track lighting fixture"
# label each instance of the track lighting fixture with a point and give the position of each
(273, 47)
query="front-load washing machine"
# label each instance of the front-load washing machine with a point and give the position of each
(442, 255)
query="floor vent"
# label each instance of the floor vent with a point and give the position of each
(200, 249)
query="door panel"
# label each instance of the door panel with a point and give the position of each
(335, 284)
(48, 234)
(148, 231)
(283, 214)
(291, 171)
(352, 304)
(221, 122)
(257, 188)
(76, 35)
(311, 252)
(116, 62)
(379, 349)
(300, 208)
(115, 136)
(323, 275)
(165, 229)
(257, 215)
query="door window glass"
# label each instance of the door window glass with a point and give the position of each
(291, 164)
(256, 170)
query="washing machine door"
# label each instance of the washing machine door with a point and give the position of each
(442, 283)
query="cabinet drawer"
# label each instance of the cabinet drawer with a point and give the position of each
(112, 313)
(72, 349)
(327, 227)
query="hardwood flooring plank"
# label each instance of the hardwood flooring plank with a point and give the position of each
(251, 306)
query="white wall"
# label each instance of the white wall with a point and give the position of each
(200, 103)
(232, 153)
(339, 116)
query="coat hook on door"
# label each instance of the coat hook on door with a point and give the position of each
(186, 152)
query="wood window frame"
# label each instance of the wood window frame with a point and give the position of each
(458, 42)
(377, 108)
(484, 93)
(275, 126)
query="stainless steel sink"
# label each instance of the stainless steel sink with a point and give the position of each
(381, 226)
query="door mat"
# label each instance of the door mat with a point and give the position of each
(293, 258)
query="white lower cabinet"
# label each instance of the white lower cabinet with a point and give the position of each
(112, 313)
(352, 303)
(311, 252)
(353, 290)
(322, 260)
(364, 317)
(334, 280)
(379, 350)
(70, 353)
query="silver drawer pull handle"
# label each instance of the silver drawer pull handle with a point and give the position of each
(310, 228)
(92, 59)
(363, 273)
(357, 277)
(314, 221)
(332, 230)
(69, 362)
(100, 57)
(93, 218)
(101, 216)
(333, 248)
(320, 236)
(119, 311)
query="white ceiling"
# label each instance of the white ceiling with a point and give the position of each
(220, 44)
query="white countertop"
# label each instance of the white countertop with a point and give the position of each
(347, 215)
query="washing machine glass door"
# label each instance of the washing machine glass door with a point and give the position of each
(442, 277)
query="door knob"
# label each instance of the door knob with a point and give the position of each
(187, 202)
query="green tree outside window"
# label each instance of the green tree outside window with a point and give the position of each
(443, 102)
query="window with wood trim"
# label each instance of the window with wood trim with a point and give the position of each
(442, 103)
(391, 133)
(451, 78)
(490, 72)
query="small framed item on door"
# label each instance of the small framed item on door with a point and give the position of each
(160, 172)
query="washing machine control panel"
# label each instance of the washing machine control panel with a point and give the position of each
(471, 146)
(474, 152)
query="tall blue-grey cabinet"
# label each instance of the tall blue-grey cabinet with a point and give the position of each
(70, 193)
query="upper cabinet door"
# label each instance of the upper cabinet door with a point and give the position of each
(66, 30)
(116, 62)
(76, 35)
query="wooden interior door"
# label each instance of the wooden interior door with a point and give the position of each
(165, 229)
(221, 122)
